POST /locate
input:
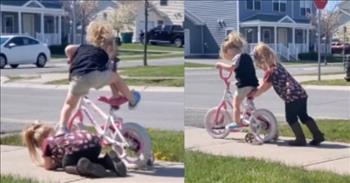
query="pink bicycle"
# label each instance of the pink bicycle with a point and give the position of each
(261, 123)
(129, 140)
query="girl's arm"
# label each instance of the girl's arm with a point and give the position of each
(70, 52)
(224, 66)
(49, 163)
(263, 88)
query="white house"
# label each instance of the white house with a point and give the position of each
(161, 12)
(344, 21)
(39, 19)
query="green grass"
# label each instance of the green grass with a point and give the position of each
(333, 82)
(188, 64)
(167, 145)
(16, 179)
(17, 78)
(154, 71)
(138, 46)
(206, 168)
(156, 82)
(334, 130)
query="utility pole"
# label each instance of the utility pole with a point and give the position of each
(145, 36)
(74, 22)
(319, 44)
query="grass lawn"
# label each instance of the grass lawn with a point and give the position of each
(334, 130)
(138, 46)
(154, 71)
(167, 145)
(188, 64)
(16, 179)
(172, 76)
(334, 82)
(206, 168)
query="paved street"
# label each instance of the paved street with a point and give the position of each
(204, 89)
(59, 65)
(162, 110)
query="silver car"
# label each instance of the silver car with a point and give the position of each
(17, 50)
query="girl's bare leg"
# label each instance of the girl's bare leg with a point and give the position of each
(118, 82)
(68, 106)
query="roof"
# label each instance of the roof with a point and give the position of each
(46, 3)
(272, 18)
(193, 18)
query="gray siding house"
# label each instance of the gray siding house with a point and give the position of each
(39, 19)
(206, 25)
(283, 24)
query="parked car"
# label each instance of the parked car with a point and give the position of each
(337, 48)
(18, 49)
(169, 34)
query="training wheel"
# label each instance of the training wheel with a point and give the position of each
(249, 138)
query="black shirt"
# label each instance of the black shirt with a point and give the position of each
(245, 72)
(88, 58)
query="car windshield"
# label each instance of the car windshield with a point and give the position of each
(3, 39)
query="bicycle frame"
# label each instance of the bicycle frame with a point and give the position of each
(226, 101)
(110, 121)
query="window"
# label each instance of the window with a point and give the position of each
(305, 7)
(18, 41)
(164, 2)
(9, 24)
(253, 4)
(177, 28)
(279, 5)
(29, 41)
(3, 39)
(267, 36)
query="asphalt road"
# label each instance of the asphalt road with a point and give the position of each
(204, 89)
(161, 110)
(59, 65)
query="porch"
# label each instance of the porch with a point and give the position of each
(44, 24)
(287, 37)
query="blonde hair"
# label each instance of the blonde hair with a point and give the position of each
(100, 34)
(33, 136)
(264, 56)
(233, 41)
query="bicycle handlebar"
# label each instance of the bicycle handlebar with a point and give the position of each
(222, 75)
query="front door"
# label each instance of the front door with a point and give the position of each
(283, 36)
(29, 24)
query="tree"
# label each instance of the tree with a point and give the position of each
(329, 23)
(123, 17)
(81, 10)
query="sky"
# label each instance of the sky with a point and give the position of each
(331, 3)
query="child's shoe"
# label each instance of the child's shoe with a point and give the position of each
(118, 165)
(61, 130)
(232, 126)
(136, 99)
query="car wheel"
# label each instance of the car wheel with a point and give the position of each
(41, 60)
(178, 42)
(3, 61)
(14, 65)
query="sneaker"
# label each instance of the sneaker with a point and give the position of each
(87, 168)
(119, 166)
(232, 126)
(136, 99)
(61, 131)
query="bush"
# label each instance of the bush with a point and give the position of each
(313, 56)
(57, 49)
(308, 56)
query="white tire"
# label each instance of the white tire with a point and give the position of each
(217, 129)
(139, 154)
(264, 125)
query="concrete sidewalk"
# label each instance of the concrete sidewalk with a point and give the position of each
(330, 156)
(15, 161)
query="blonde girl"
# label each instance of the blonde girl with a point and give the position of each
(76, 152)
(242, 64)
(291, 92)
(90, 68)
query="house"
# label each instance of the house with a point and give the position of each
(283, 24)
(161, 12)
(39, 19)
(344, 21)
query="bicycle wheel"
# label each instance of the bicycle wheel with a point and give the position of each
(139, 154)
(216, 129)
(264, 125)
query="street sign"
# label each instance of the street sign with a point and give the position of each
(320, 4)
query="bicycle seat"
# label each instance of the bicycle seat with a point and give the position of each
(114, 102)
